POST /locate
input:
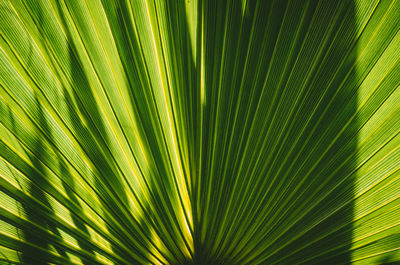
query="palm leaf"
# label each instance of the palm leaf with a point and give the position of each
(199, 132)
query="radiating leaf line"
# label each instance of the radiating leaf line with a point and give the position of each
(199, 132)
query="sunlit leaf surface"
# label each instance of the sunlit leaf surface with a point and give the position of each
(208, 132)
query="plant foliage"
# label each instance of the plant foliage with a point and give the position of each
(199, 132)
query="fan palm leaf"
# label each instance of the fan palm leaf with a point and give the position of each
(199, 132)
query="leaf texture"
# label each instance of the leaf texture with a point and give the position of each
(199, 132)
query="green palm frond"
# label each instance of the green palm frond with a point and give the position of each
(199, 132)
